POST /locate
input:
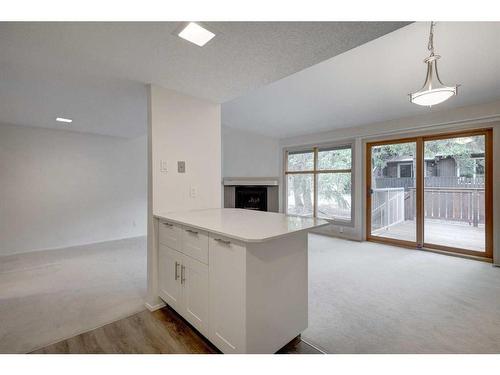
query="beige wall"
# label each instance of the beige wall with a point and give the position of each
(435, 121)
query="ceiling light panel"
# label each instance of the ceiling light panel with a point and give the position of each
(196, 34)
(66, 120)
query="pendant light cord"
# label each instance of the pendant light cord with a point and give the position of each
(430, 45)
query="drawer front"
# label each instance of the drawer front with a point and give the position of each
(170, 235)
(195, 244)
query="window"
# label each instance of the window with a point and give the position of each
(479, 167)
(318, 182)
(405, 170)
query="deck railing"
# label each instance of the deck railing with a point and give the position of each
(388, 207)
(449, 204)
(391, 206)
(446, 182)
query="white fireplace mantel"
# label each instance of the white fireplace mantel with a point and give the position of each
(251, 181)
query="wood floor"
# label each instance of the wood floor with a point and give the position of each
(159, 332)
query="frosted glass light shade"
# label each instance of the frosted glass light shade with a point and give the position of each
(433, 97)
(433, 92)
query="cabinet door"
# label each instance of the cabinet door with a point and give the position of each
(169, 272)
(227, 294)
(195, 293)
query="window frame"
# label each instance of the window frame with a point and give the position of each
(315, 172)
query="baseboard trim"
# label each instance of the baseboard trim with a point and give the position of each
(158, 306)
(307, 342)
(22, 252)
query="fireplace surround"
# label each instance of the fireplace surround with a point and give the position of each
(256, 193)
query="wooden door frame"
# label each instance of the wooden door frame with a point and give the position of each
(368, 184)
(419, 184)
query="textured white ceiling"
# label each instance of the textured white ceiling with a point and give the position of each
(95, 72)
(370, 83)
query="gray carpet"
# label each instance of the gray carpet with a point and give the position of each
(372, 298)
(51, 295)
(364, 297)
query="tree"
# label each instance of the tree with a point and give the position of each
(461, 149)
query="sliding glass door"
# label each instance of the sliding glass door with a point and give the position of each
(432, 192)
(393, 181)
(455, 192)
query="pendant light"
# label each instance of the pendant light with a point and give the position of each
(433, 92)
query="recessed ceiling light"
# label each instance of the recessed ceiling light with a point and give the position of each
(196, 34)
(62, 119)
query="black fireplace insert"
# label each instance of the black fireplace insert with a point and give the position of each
(251, 197)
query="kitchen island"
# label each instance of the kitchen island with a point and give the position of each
(240, 277)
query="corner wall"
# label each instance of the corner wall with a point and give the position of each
(61, 188)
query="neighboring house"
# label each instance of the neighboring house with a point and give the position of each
(439, 166)
(400, 171)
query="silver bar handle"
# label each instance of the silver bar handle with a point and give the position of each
(225, 242)
(182, 274)
(191, 231)
(176, 272)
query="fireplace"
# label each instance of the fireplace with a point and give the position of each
(252, 193)
(251, 197)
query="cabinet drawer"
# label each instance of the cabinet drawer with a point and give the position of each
(195, 244)
(170, 235)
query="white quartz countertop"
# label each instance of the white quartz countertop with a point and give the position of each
(243, 225)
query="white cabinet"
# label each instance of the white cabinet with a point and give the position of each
(243, 296)
(170, 235)
(169, 282)
(183, 284)
(195, 293)
(195, 244)
(227, 294)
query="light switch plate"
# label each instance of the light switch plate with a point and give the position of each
(163, 166)
(192, 191)
(181, 166)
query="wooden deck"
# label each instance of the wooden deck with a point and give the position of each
(460, 235)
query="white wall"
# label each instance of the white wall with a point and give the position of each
(246, 154)
(180, 127)
(469, 117)
(185, 129)
(61, 188)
